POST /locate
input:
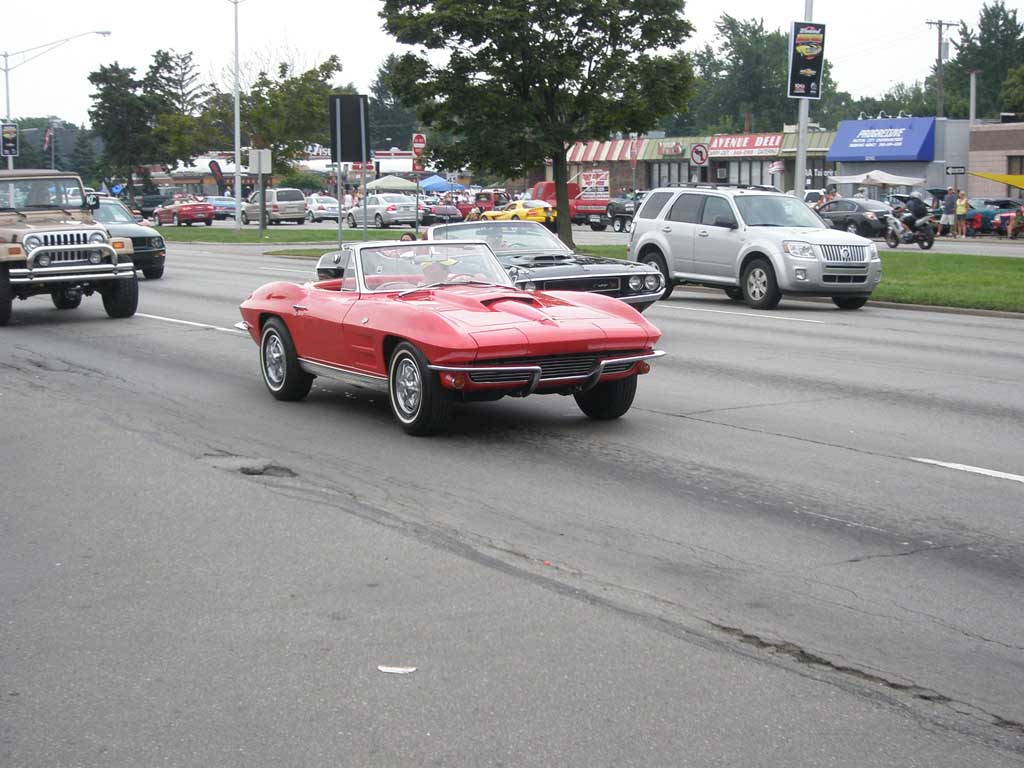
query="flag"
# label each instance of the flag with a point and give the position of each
(47, 138)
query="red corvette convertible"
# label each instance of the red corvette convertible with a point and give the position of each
(185, 210)
(435, 323)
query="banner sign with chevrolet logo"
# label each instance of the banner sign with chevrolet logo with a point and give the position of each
(806, 60)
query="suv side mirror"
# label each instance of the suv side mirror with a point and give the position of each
(725, 222)
(92, 201)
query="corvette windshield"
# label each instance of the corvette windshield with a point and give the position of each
(504, 237)
(409, 265)
(776, 211)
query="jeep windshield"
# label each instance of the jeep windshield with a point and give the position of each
(776, 211)
(41, 192)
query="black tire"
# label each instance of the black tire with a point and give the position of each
(6, 296)
(121, 297)
(599, 227)
(66, 299)
(153, 273)
(892, 239)
(426, 412)
(209, 222)
(351, 221)
(378, 221)
(760, 288)
(851, 227)
(311, 217)
(734, 293)
(245, 217)
(608, 400)
(655, 259)
(618, 224)
(280, 365)
(849, 302)
(927, 241)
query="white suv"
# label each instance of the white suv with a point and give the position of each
(753, 242)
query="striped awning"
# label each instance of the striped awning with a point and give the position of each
(616, 150)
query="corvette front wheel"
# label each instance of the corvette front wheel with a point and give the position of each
(608, 400)
(419, 402)
(280, 365)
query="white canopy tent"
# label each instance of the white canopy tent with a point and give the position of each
(878, 179)
(392, 184)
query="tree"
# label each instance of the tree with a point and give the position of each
(1012, 94)
(523, 80)
(996, 47)
(388, 116)
(121, 116)
(173, 80)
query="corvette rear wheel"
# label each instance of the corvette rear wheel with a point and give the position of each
(419, 402)
(280, 365)
(608, 400)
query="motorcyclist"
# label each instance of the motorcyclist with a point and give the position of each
(916, 209)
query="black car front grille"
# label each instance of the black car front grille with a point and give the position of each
(552, 366)
(609, 285)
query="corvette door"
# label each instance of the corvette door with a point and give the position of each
(319, 319)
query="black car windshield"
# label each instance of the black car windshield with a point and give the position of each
(504, 237)
(112, 212)
(43, 192)
(409, 265)
(776, 211)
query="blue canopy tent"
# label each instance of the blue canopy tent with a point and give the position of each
(437, 183)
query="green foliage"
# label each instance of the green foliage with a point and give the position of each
(388, 116)
(304, 180)
(173, 81)
(524, 79)
(121, 115)
(995, 47)
(1012, 94)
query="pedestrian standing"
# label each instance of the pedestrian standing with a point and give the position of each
(961, 214)
(348, 199)
(948, 213)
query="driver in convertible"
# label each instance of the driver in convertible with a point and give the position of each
(437, 271)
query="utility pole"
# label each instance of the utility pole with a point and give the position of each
(800, 174)
(938, 60)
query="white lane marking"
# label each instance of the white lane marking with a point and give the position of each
(189, 322)
(764, 316)
(969, 468)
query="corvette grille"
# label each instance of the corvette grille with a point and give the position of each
(553, 366)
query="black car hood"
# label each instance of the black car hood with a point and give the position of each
(547, 264)
(130, 230)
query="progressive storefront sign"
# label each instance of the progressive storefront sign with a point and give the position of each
(746, 145)
(909, 139)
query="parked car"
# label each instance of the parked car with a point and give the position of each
(284, 204)
(320, 207)
(51, 247)
(857, 216)
(438, 212)
(148, 204)
(186, 210)
(223, 206)
(436, 323)
(621, 210)
(148, 248)
(990, 208)
(383, 210)
(753, 243)
(523, 210)
(537, 260)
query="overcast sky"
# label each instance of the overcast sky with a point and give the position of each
(870, 46)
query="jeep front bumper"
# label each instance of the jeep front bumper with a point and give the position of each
(79, 271)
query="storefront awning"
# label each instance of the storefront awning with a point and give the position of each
(908, 139)
(878, 179)
(1009, 179)
(617, 150)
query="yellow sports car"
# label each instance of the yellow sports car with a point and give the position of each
(522, 210)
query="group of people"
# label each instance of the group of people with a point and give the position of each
(954, 213)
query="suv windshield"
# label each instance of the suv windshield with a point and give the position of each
(289, 195)
(776, 211)
(41, 193)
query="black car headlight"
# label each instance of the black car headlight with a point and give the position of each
(157, 242)
(636, 283)
(652, 282)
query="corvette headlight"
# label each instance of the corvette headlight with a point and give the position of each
(530, 286)
(652, 282)
(799, 250)
(97, 237)
(32, 242)
(636, 282)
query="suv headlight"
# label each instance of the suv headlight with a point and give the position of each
(97, 237)
(32, 242)
(873, 253)
(799, 250)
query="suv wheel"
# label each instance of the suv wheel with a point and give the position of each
(849, 302)
(656, 260)
(760, 289)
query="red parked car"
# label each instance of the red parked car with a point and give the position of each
(437, 323)
(185, 210)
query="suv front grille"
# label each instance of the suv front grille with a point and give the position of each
(844, 254)
(553, 366)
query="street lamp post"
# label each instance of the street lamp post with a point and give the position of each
(238, 132)
(36, 51)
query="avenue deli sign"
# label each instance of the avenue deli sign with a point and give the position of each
(747, 145)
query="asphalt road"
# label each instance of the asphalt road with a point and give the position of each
(761, 564)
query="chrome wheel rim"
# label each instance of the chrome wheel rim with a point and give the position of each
(273, 360)
(757, 284)
(408, 387)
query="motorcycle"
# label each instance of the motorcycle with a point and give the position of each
(921, 232)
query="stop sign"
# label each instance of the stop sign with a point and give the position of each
(419, 143)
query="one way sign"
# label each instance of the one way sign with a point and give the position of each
(956, 170)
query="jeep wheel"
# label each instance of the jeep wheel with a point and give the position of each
(6, 297)
(760, 289)
(121, 297)
(849, 302)
(280, 365)
(736, 294)
(656, 260)
(419, 402)
(154, 273)
(608, 400)
(65, 299)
